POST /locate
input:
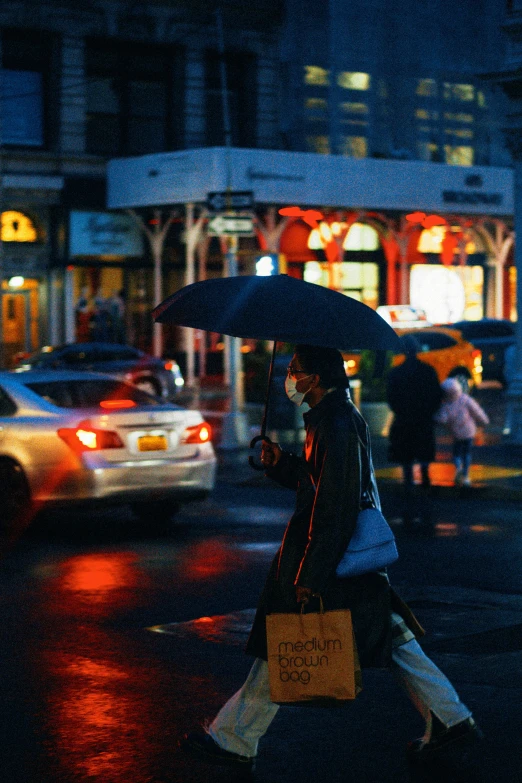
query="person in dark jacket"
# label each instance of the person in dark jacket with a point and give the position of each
(414, 395)
(331, 478)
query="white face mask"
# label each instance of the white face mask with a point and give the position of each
(292, 393)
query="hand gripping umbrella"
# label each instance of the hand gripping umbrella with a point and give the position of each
(278, 308)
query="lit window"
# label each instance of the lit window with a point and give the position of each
(461, 133)
(360, 123)
(319, 144)
(316, 76)
(459, 92)
(17, 227)
(481, 99)
(314, 273)
(459, 156)
(314, 240)
(316, 103)
(354, 146)
(351, 275)
(353, 108)
(458, 116)
(353, 80)
(427, 88)
(430, 240)
(425, 114)
(427, 150)
(361, 237)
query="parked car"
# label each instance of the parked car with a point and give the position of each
(77, 437)
(492, 336)
(156, 376)
(444, 349)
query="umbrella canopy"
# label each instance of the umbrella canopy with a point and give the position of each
(278, 308)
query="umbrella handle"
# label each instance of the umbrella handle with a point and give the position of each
(253, 443)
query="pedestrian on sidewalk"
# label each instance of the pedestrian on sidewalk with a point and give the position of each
(414, 395)
(331, 477)
(461, 414)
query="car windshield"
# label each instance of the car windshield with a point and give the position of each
(89, 393)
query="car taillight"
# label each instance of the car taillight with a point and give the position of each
(477, 357)
(86, 438)
(200, 433)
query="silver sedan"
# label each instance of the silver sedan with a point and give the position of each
(77, 437)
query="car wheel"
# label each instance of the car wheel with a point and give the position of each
(155, 511)
(463, 378)
(148, 385)
(16, 498)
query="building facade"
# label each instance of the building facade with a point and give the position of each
(80, 85)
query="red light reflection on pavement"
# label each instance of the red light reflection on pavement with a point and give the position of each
(101, 725)
(446, 529)
(104, 715)
(97, 582)
(98, 574)
(208, 560)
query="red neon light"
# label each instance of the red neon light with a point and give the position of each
(415, 217)
(433, 220)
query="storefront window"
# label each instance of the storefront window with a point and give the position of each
(355, 279)
(447, 294)
(20, 318)
(361, 237)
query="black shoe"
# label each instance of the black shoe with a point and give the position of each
(203, 747)
(458, 737)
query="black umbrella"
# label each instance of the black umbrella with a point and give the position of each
(278, 308)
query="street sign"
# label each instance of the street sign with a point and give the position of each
(218, 201)
(227, 224)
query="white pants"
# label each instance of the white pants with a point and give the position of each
(245, 718)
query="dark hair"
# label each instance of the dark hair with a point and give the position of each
(327, 363)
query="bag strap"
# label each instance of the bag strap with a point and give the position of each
(366, 493)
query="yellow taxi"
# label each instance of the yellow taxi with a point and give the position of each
(447, 352)
(443, 348)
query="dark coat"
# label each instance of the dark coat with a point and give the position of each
(414, 394)
(328, 479)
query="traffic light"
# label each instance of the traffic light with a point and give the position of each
(269, 264)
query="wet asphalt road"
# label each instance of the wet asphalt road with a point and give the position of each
(89, 694)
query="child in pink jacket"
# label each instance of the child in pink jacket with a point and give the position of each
(461, 414)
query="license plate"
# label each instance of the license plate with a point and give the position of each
(152, 443)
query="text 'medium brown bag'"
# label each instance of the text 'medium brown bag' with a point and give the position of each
(312, 658)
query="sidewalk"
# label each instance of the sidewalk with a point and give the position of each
(496, 472)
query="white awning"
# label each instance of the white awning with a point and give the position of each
(308, 179)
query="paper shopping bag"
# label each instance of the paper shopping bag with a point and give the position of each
(312, 658)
